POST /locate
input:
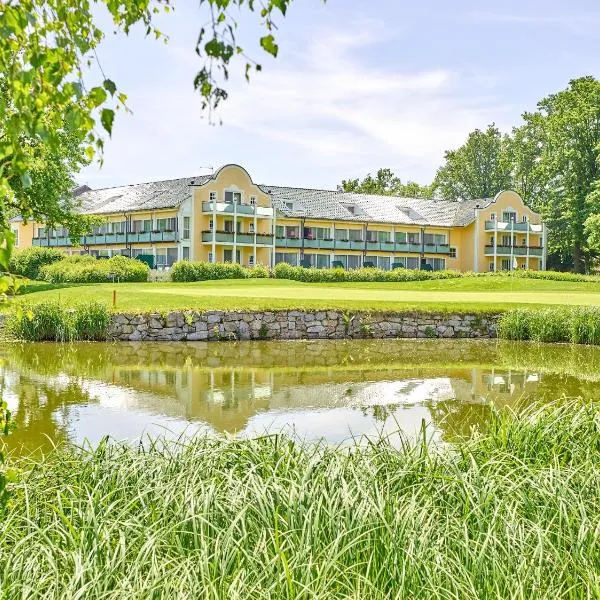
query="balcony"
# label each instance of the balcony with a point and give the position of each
(238, 209)
(163, 236)
(514, 250)
(512, 226)
(227, 237)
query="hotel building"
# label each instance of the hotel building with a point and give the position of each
(226, 217)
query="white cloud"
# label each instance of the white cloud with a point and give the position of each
(330, 110)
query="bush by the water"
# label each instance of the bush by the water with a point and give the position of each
(87, 269)
(575, 324)
(28, 262)
(513, 513)
(54, 322)
(184, 270)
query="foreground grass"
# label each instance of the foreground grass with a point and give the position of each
(511, 514)
(467, 294)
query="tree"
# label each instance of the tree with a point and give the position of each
(559, 163)
(46, 47)
(478, 169)
(385, 183)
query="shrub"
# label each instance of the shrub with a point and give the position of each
(27, 262)
(259, 272)
(578, 325)
(312, 275)
(204, 271)
(50, 321)
(87, 269)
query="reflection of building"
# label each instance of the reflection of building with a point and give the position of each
(226, 217)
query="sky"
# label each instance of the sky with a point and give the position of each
(357, 85)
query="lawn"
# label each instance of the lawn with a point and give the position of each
(469, 293)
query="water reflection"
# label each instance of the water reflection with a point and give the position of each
(69, 393)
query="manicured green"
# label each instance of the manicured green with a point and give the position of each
(512, 514)
(464, 294)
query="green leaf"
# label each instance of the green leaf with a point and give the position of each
(26, 180)
(269, 45)
(110, 86)
(106, 118)
(97, 95)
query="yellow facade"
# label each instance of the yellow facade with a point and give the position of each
(228, 218)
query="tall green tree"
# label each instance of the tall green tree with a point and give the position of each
(478, 169)
(385, 183)
(46, 47)
(556, 157)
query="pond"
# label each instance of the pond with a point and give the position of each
(332, 390)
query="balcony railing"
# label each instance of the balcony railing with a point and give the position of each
(108, 238)
(239, 209)
(514, 250)
(228, 237)
(513, 226)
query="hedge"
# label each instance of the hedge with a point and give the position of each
(184, 270)
(87, 269)
(27, 262)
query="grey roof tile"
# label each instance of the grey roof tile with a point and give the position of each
(290, 202)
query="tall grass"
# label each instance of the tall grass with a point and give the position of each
(512, 514)
(575, 324)
(55, 322)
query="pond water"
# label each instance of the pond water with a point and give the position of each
(332, 390)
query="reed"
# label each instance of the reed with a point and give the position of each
(511, 513)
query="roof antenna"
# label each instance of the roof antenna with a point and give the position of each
(209, 167)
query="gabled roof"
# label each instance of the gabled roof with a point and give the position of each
(290, 202)
(153, 195)
(330, 204)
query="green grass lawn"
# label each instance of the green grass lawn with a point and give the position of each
(469, 293)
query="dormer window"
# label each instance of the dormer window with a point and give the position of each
(289, 205)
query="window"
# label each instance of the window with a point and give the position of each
(453, 253)
(186, 228)
(251, 228)
(41, 232)
(506, 240)
(292, 233)
(316, 233)
(228, 226)
(384, 263)
(286, 257)
(506, 264)
(524, 218)
(355, 235)
(118, 227)
(384, 236)
(253, 200)
(211, 225)
(414, 238)
(185, 253)
(322, 261)
(212, 196)
(341, 234)
(166, 224)
(493, 217)
(492, 267)
(210, 257)
(509, 216)
(354, 262)
(412, 262)
(16, 234)
(251, 260)
(233, 197)
(341, 258)
(400, 237)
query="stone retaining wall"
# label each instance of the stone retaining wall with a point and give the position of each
(295, 325)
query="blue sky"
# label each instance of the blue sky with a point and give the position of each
(358, 85)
